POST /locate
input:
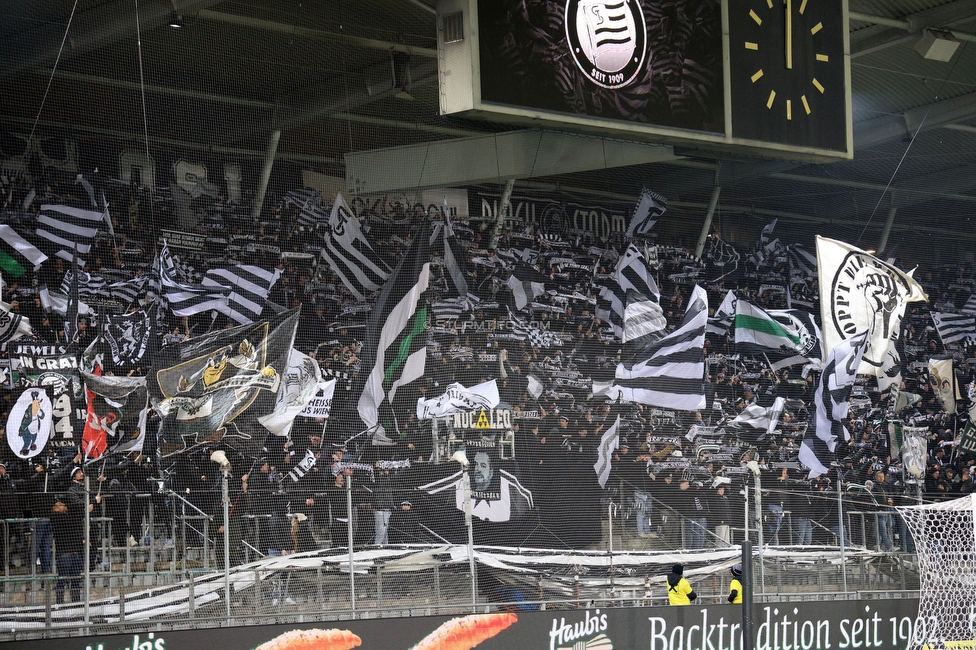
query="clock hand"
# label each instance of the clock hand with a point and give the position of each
(789, 35)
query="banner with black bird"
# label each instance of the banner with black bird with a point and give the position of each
(212, 389)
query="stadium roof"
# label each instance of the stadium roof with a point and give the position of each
(319, 71)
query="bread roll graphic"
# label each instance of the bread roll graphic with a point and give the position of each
(466, 632)
(313, 640)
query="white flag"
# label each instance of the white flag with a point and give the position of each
(860, 292)
(943, 382)
(761, 417)
(298, 386)
(321, 403)
(457, 398)
(608, 443)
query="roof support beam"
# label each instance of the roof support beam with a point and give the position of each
(893, 31)
(90, 29)
(490, 158)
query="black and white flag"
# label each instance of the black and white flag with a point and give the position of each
(859, 292)
(17, 255)
(183, 299)
(303, 467)
(452, 261)
(954, 328)
(66, 228)
(650, 206)
(832, 401)
(350, 255)
(671, 371)
(309, 204)
(633, 273)
(127, 338)
(609, 442)
(724, 316)
(524, 291)
(643, 320)
(247, 288)
(611, 303)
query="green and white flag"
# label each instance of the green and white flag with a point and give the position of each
(754, 327)
(395, 332)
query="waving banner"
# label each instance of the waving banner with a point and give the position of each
(212, 389)
(116, 414)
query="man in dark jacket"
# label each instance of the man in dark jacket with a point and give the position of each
(67, 521)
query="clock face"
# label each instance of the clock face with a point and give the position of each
(787, 69)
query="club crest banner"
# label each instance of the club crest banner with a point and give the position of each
(213, 388)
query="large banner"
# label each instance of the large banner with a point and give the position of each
(887, 624)
(47, 366)
(213, 388)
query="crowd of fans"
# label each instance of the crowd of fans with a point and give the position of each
(679, 477)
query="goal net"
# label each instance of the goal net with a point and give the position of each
(945, 539)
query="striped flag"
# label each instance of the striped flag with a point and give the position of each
(609, 442)
(12, 326)
(754, 328)
(17, 255)
(724, 316)
(671, 370)
(802, 262)
(350, 255)
(610, 306)
(643, 320)
(953, 328)
(247, 288)
(184, 299)
(832, 401)
(94, 287)
(970, 306)
(632, 273)
(395, 346)
(450, 308)
(67, 228)
(309, 204)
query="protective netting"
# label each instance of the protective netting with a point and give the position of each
(945, 539)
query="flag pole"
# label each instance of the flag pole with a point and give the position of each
(840, 528)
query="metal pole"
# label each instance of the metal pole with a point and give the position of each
(269, 157)
(86, 557)
(887, 229)
(747, 523)
(840, 529)
(759, 534)
(747, 632)
(352, 578)
(225, 494)
(467, 522)
(709, 213)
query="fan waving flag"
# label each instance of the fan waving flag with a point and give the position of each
(609, 442)
(724, 316)
(832, 401)
(116, 417)
(350, 255)
(395, 344)
(632, 273)
(650, 206)
(859, 292)
(954, 328)
(761, 417)
(17, 255)
(213, 388)
(66, 228)
(247, 289)
(183, 299)
(670, 372)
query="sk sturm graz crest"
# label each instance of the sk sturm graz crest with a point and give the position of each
(607, 39)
